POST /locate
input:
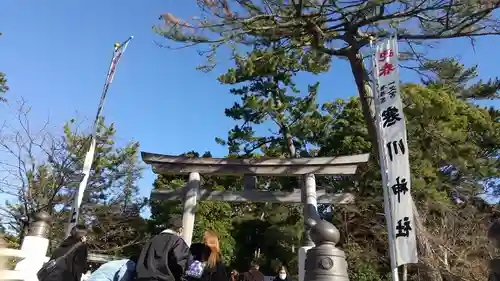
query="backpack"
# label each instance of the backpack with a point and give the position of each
(51, 265)
(195, 269)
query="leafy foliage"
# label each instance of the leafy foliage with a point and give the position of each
(271, 95)
(46, 176)
(454, 148)
(3, 86)
(453, 75)
(442, 130)
(333, 27)
(327, 29)
(209, 215)
(241, 227)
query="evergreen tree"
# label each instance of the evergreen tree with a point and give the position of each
(45, 174)
(443, 130)
(270, 99)
(328, 29)
(459, 79)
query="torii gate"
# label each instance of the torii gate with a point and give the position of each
(304, 167)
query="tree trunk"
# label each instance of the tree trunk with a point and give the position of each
(365, 96)
(404, 273)
(427, 255)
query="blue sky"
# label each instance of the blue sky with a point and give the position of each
(56, 54)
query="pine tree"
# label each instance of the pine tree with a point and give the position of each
(45, 174)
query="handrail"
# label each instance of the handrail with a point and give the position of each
(17, 253)
(12, 275)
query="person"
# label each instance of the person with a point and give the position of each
(253, 274)
(90, 268)
(118, 270)
(208, 253)
(281, 276)
(74, 252)
(165, 256)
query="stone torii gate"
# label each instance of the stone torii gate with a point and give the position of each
(306, 168)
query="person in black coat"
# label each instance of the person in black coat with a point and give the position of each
(165, 257)
(74, 263)
(209, 253)
(254, 273)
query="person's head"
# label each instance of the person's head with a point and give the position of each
(254, 265)
(211, 239)
(79, 232)
(175, 224)
(200, 251)
(282, 273)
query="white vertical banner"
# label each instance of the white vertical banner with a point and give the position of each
(89, 157)
(393, 145)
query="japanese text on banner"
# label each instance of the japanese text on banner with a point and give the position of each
(393, 138)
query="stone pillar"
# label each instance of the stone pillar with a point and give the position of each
(494, 236)
(35, 244)
(310, 212)
(189, 211)
(325, 262)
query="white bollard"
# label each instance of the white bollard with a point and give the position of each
(35, 245)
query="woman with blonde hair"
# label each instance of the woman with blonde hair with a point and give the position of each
(207, 258)
(211, 239)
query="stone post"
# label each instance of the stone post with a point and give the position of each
(189, 211)
(35, 244)
(325, 262)
(310, 211)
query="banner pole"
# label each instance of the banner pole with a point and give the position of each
(119, 50)
(383, 168)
